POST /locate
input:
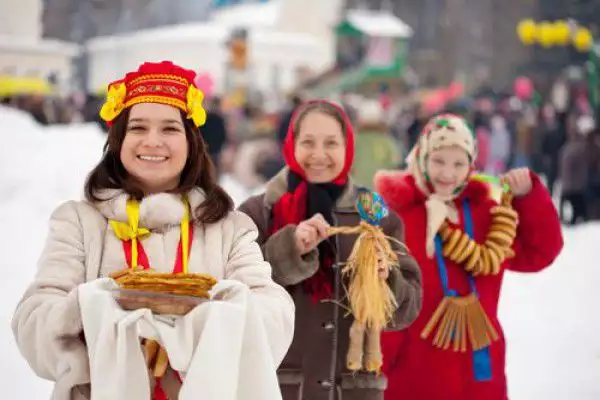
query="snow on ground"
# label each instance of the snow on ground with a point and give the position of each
(551, 322)
(550, 318)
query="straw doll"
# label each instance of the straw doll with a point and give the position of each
(372, 303)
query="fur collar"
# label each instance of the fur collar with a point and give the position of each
(156, 211)
(400, 190)
(277, 187)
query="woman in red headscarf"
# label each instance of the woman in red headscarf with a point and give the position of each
(313, 192)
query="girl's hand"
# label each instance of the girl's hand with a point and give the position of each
(519, 180)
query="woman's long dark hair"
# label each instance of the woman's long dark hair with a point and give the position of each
(198, 171)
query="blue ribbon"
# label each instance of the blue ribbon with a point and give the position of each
(482, 363)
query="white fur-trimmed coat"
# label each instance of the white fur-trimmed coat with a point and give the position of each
(81, 247)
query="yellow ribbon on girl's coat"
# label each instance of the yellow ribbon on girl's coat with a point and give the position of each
(131, 230)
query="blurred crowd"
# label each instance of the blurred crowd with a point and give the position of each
(53, 109)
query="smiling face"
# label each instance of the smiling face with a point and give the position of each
(448, 168)
(320, 147)
(155, 148)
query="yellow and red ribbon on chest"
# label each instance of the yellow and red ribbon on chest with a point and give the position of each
(131, 234)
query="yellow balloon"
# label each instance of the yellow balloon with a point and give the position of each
(583, 39)
(527, 30)
(561, 33)
(545, 34)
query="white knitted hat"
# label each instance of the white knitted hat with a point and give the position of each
(444, 131)
(441, 131)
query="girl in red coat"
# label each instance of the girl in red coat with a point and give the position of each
(455, 350)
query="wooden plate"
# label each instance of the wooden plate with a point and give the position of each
(158, 303)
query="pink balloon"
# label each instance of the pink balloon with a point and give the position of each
(455, 90)
(435, 102)
(523, 88)
(205, 83)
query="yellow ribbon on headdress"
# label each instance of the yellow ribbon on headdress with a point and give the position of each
(131, 230)
(195, 110)
(115, 102)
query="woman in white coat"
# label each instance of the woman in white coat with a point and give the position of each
(156, 168)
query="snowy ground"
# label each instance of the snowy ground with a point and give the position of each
(551, 320)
